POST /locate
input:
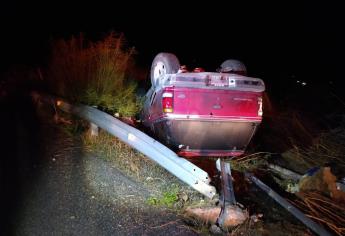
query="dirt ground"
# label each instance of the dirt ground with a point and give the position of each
(50, 186)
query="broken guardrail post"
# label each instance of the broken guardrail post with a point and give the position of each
(289, 207)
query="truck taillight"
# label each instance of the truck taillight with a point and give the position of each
(260, 112)
(167, 102)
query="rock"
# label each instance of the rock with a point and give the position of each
(235, 215)
(184, 197)
(322, 180)
(214, 229)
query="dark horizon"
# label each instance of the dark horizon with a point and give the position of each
(287, 40)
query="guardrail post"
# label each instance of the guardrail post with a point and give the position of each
(180, 167)
(93, 129)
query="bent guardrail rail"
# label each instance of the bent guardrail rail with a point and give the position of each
(289, 207)
(180, 167)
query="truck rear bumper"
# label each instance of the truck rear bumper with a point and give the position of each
(206, 137)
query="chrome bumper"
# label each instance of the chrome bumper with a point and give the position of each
(199, 137)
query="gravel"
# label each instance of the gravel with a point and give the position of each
(67, 191)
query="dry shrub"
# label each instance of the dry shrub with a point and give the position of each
(94, 73)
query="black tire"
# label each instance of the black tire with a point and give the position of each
(163, 63)
(233, 66)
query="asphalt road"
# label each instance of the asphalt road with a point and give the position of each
(51, 186)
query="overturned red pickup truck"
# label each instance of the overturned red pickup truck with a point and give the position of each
(198, 113)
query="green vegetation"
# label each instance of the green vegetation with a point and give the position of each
(94, 73)
(168, 197)
(99, 74)
(328, 147)
(73, 127)
(167, 189)
(250, 162)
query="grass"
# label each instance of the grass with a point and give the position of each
(250, 162)
(302, 150)
(167, 189)
(94, 73)
(168, 198)
(328, 148)
(97, 74)
(76, 127)
(300, 131)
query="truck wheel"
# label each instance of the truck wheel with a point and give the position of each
(233, 66)
(163, 63)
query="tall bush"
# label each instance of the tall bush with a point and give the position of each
(94, 73)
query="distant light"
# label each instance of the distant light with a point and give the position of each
(303, 83)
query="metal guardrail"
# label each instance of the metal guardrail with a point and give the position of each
(180, 167)
(289, 174)
(289, 207)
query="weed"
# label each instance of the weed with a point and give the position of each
(328, 148)
(250, 161)
(165, 187)
(152, 201)
(168, 198)
(75, 128)
(94, 73)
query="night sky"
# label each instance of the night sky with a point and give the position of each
(278, 42)
(275, 41)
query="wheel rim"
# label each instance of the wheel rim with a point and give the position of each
(158, 71)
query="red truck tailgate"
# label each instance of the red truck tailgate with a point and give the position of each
(217, 103)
